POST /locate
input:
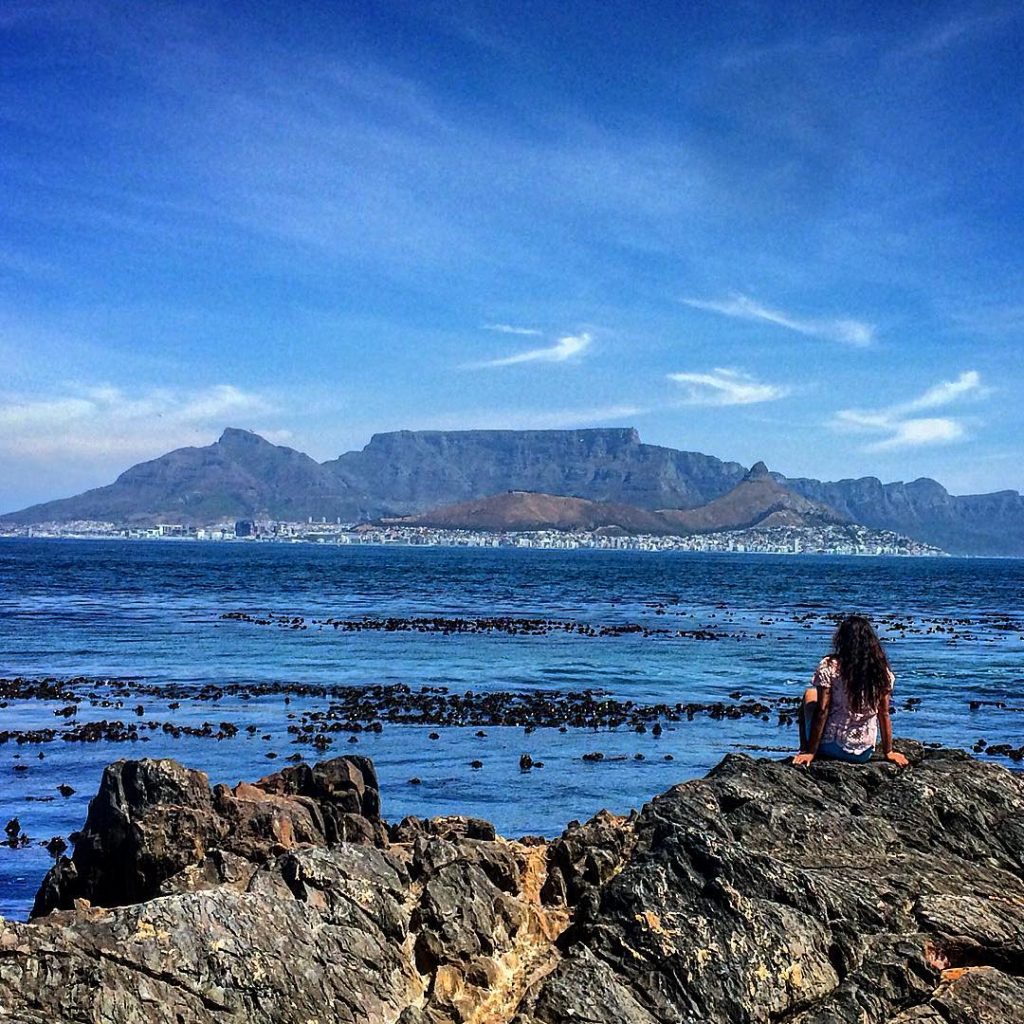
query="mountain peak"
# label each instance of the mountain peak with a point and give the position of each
(235, 436)
(759, 471)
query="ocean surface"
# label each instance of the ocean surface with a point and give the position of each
(706, 629)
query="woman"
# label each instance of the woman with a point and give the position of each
(847, 703)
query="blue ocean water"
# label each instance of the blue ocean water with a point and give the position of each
(152, 611)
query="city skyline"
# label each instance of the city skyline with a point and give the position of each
(784, 234)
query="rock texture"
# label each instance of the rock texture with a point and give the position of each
(761, 893)
(155, 827)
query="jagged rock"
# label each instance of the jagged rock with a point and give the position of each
(841, 894)
(154, 820)
(585, 856)
(838, 894)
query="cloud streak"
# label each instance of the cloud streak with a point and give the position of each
(100, 422)
(528, 332)
(726, 387)
(899, 426)
(569, 347)
(741, 307)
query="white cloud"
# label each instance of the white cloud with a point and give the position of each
(968, 383)
(531, 332)
(741, 307)
(726, 387)
(563, 349)
(101, 421)
(902, 429)
(914, 433)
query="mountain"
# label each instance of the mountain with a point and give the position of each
(239, 475)
(406, 472)
(970, 524)
(400, 473)
(528, 510)
(409, 471)
(757, 500)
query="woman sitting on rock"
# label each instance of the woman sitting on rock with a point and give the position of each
(848, 699)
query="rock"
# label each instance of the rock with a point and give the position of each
(840, 894)
(153, 820)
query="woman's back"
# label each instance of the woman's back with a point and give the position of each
(852, 729)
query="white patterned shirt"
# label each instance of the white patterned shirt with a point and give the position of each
(852, 730)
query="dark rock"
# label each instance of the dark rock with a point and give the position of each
(761, 894)
(55, 846)
(152, 819)
(845, 894)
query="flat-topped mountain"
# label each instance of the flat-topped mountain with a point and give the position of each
(400, 473)
(408, 472)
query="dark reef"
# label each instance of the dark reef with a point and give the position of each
(761, 893)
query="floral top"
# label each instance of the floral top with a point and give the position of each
(851, 730)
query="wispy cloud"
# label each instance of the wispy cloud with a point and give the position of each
(726, 387)
(564, 349)
(742, 307)
(530, 332)
(899, 427)
(532, 419)
(99, 421)
(952, 32)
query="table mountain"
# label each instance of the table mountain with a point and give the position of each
(407, 472)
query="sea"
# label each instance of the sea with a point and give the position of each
(104, 619)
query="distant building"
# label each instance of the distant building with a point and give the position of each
(244, 528)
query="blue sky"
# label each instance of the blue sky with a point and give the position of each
(789, 232)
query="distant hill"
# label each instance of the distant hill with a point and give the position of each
(527, 510)
(407, 472)
(757, 500)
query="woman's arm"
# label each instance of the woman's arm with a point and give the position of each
(885, 728)
(818, 727)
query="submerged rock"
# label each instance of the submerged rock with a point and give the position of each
(759, 894)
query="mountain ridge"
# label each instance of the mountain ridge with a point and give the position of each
(242, 475)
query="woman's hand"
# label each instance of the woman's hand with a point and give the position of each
(897, 758)
(802, 759)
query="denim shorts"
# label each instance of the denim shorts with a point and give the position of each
(832, 750)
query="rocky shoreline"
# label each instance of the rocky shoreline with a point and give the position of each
(760, 893)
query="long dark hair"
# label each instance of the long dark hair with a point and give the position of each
(864, 666)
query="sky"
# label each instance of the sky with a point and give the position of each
(790, 232)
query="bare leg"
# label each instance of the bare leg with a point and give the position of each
(808, 709)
